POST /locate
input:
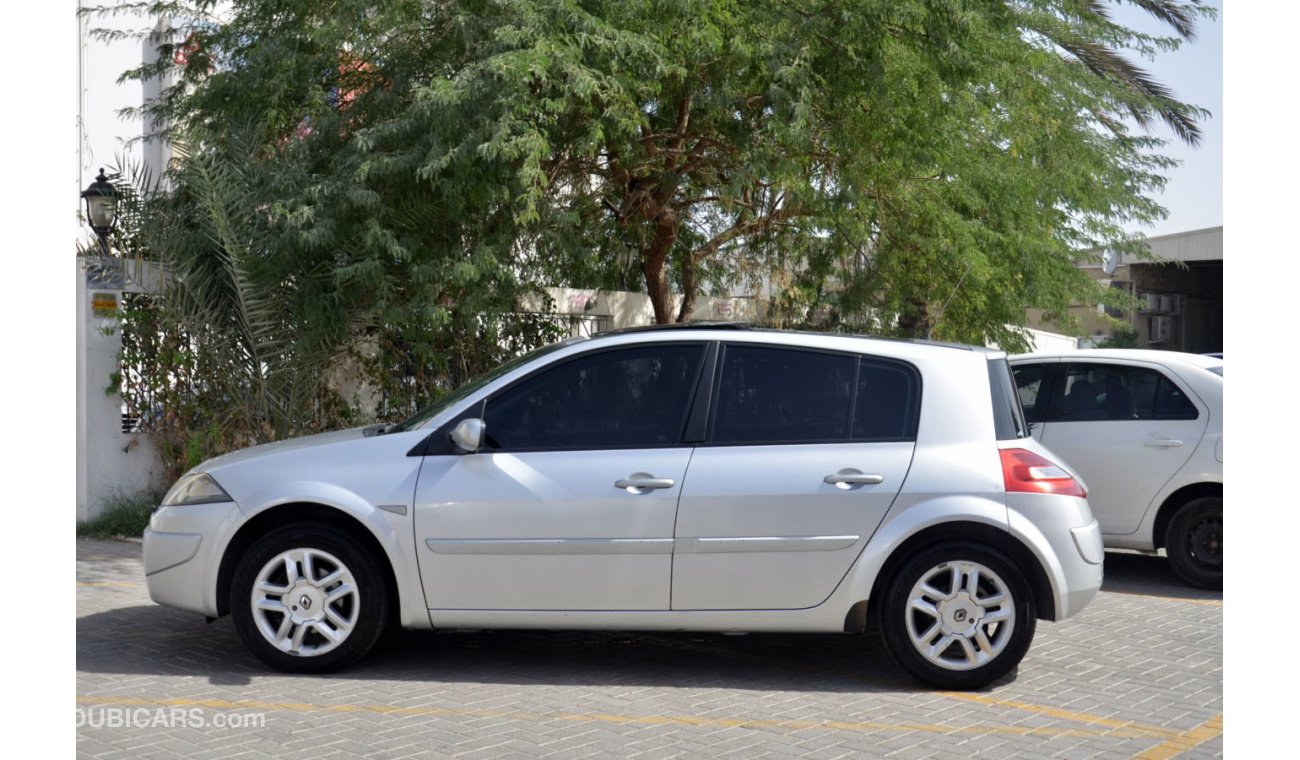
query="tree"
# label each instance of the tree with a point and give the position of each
(914, 167)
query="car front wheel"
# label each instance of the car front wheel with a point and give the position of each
(958, 616)
(308, 599)
(1194, 542)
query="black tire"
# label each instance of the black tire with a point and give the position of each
(363, 604)
(1194, 542)
(950, 667)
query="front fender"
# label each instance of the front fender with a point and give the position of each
(392, 531)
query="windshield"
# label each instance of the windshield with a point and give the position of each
(468, 389)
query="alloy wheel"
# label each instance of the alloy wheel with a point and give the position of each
(305, 602)
(960, 615)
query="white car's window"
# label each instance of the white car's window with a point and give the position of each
(1031, 382)
(624, 398)
(1119, 392)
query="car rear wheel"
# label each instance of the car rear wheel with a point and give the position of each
(1194, 542)
(308, 599)
(958, 616)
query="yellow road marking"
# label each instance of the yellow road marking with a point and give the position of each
(1205, 602)
(1122, 731)
(1070, 715)
(1185, 741)
(100, 584)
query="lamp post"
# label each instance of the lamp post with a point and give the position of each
(101, 208)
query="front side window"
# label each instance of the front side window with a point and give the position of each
(623, 398)
(1117, 392)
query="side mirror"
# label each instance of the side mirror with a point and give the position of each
(468, 435)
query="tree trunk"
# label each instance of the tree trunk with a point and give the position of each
(654, 265)
(688, 289)
(914, 321)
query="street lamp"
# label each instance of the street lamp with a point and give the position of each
(101, 208)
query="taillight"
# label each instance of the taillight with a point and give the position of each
(1028, 472)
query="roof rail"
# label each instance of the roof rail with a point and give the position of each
(680, 326)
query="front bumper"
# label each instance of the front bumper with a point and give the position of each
(182, 554)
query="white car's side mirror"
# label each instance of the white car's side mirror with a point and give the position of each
(468, 435)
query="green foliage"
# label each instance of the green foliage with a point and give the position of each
(1123, 336)
(123, 515)
(389, 181)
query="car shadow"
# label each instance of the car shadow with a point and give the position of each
(153, 640)
(1147, 575)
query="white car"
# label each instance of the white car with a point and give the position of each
(669, 479)
(1145, 429)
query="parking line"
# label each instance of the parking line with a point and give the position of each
(1070, 715)
(1117, 732)
(1185, 741)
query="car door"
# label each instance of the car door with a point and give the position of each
(1127, 427)
(805, 453)
(570, 504)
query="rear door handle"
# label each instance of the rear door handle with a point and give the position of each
(1162, 443)
(641, 482)
(847, 478)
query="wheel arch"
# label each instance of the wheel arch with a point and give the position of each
(1174, 502)
(302, 512)
(996, 538)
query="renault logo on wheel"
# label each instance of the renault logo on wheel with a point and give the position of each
(305, 601)
(960, 616)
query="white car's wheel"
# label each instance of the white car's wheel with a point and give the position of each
(308, 599)
(958, 616)
(1194, 542)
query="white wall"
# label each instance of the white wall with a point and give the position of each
(110, 463)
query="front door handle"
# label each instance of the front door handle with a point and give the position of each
(847, 478)
(642, 482)
(1162, 443)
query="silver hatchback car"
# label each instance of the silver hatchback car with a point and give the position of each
(697, 478)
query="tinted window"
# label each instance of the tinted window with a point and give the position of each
(1116, 392)
(1008, 418)
(888, 402)
(774, 395)
(614, 399)
(1031, 385)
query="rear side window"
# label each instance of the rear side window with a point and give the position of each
(625, 398)
(1008, 418)
(780, 395)
(777, 395)
(888, 401)
(1111, 392)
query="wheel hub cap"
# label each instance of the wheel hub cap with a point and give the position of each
(309, 605)
(960, 616)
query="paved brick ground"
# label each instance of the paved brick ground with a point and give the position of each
(1138, 673)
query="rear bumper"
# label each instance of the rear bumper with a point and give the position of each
(1063, 533)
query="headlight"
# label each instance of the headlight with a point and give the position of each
(197, 488)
